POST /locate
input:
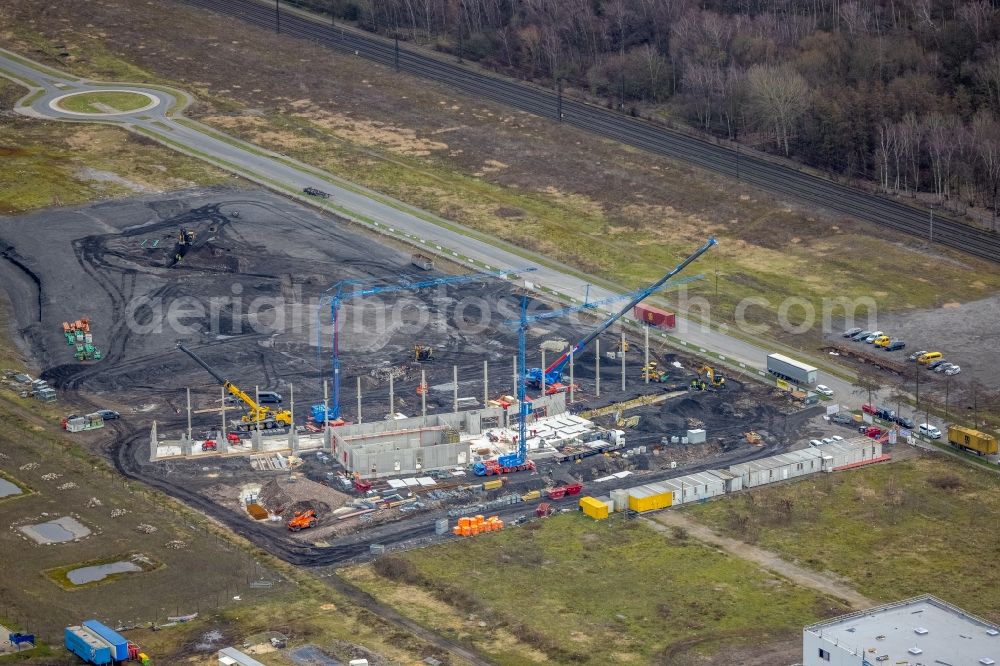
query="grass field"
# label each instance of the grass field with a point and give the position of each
(571, 590)
(927, 525)
(104, 102)
(48, 163)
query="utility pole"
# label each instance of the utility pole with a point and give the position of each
(932, 226)
(486, 383)
(543, 371)
(333, 13)
(189, 411)
(277, 17)
(623, 91)
(392, 398)
(737, 160)
(326, 405)
(223, 413)
(423, 392)
(559, 113)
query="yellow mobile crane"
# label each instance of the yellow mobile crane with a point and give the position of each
(256, 416)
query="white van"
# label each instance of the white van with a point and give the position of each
(927, 430)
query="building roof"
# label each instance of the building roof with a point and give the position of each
(923, 629)
(239, 657)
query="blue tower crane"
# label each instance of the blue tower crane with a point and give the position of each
(519, 460)
(350, 289)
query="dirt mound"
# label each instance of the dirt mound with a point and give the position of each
(274, 498)
(321, 508)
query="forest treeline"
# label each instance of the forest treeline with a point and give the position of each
(905, 93)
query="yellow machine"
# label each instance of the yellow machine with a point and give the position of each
(619, 347)
(654, 373)
(713, 378)
(423, 352)
(256, 416)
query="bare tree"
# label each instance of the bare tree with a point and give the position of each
(779, 97)
(988, 74)
(944, 140)
(911, 136)
(885, 151)
(867, 382)
(986, 145)
(977, 15)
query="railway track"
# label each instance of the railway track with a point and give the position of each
(641, 134)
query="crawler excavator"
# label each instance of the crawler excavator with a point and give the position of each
(256, 416)
(711, 377)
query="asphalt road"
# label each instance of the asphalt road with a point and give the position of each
(164, 122)
(751, 168)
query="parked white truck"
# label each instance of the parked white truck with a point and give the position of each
(791, 370)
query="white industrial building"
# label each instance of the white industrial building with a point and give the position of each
(694, 487)
(824, 458)
(923, 630)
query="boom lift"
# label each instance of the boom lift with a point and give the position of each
(256, 416)
(518, 460)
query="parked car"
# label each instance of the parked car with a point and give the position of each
(852, 331)
(929, 357)
(942, 367)
(874, 336)
(934, 364)
(917, 354)
(269, 398)
(828, 440)
(953, 370)
(313, 192)
(894, 345)
(868, 409)
(905, 422)
(885, 413)
(861, 335)
(927, 430)
(814, 442)
(881, 341)
(837, 438)
(823, 389)
(109, 414)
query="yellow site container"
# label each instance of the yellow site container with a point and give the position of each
(531, 496)
(493, 485)
(642, 500)
(594, 508)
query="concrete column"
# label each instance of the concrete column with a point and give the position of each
(224, 444)
(597, 368)
(423, 394)
(359, 398)
(256, 397)
(392, 397)
(486, 383)
(645, 347)
(256, 440)
(623, 360)
(543, 372)
(293, 435)
(572, 380)
(189, 412)
(454, 374)
(153, 443)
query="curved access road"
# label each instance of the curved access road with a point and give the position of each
(164, 122)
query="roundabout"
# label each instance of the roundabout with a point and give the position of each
(109, 102)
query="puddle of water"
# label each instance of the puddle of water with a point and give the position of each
(59, 530)
(98, 572)
(7, 488)
(310, 655)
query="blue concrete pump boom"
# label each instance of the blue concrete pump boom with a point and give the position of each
(553, 373)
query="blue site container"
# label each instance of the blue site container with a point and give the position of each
(119, 646)
(85, 644)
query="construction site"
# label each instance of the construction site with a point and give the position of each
(329, 394)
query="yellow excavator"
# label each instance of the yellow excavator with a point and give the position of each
(256, 416)
(654, 373)
(423, 353)
(711, 377)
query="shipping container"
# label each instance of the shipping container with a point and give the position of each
(649, 498)
(594, 508)
(87, 645)
(972, 440)
(119, 646)
(653, 316)
(784, 367)
(493, 485)
(531, 495)
(620, 499)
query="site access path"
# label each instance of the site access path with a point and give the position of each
(162, 120)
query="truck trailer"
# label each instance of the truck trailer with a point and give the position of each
(783, 367)
(972, 440)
